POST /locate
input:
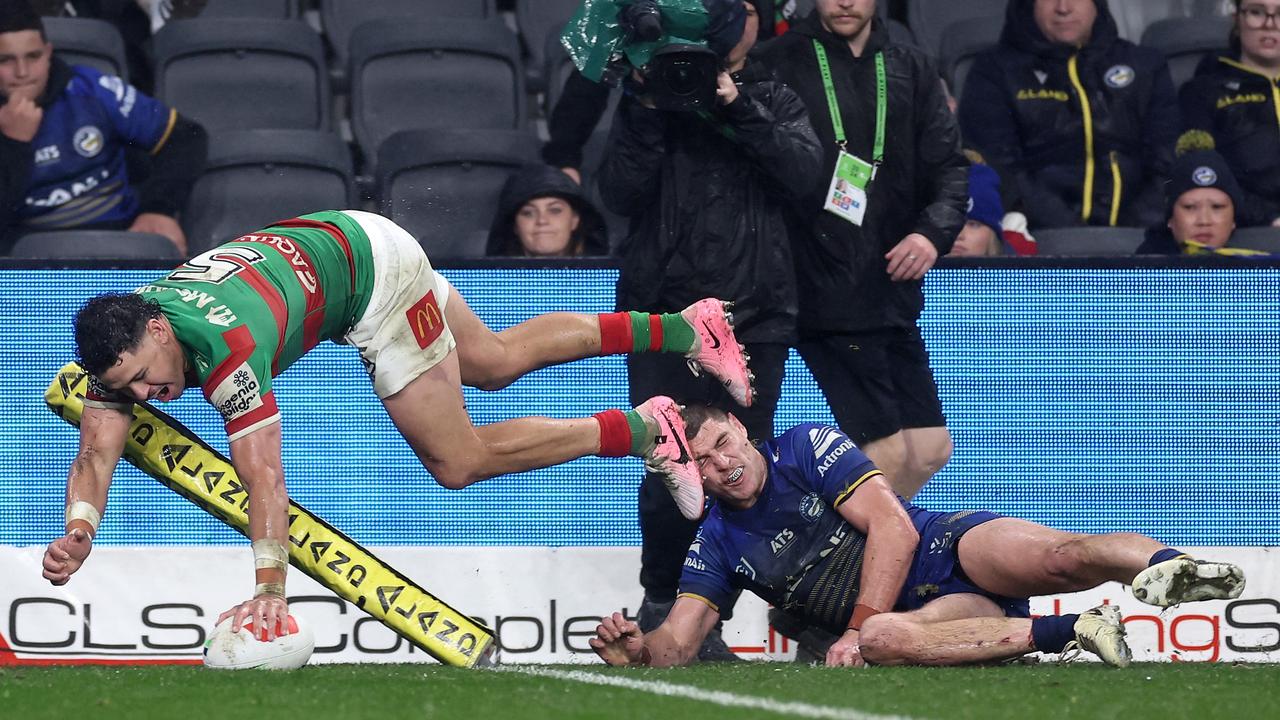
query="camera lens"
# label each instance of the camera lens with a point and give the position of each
(682, 77)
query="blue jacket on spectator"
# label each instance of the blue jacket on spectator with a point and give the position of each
(1085, 134)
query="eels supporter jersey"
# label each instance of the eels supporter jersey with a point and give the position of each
(792, 547)
(246, 310)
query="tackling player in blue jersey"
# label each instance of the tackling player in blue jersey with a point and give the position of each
(807, 522)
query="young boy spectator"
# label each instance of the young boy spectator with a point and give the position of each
(63, 136)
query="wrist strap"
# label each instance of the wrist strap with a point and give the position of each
(276, 589)
(860, 614)
(81, 510)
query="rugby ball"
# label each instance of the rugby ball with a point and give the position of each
(225, 650)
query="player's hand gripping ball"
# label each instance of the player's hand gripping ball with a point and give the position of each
(225, 650)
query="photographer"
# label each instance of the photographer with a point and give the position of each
(706, 193)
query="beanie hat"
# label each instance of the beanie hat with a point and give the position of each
(1199, 166)
(984, 197)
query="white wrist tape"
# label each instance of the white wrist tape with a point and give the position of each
(81, 510)
(268, 553)
(276, 589)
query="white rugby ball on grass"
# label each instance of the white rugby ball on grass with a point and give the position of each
(225, 650)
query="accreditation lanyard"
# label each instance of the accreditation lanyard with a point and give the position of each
(847, 194)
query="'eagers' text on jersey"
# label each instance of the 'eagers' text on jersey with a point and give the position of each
(246, 310)
(791, 547)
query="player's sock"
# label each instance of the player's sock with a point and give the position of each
(1165, 554)
(637, 332)
(622, 433)
(1051, 633)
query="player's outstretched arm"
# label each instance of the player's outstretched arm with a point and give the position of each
(256, 457)
(618, 641)
(875, 511)
(103, 433)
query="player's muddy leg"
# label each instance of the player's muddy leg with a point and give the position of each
(1019, 558)
(952, 630)
(430, 414)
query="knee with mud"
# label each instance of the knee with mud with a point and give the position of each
(886, 639)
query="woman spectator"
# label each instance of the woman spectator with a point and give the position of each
(543, 213)
(1232, 98)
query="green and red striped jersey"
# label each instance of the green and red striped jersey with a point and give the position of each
(246, 310)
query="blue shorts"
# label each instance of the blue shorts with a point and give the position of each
(936, 571)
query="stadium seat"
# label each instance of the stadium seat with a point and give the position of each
(1133, 17)
(274, 9)
(86, 41)
(256, 177)
(242, 74)
(442, 73)
(535, 20)
(1089, 241)
(443, 185)
(930, 20)
(1185, 42)
(95, 245)
(1266, 239)
(340, 18)
(962, 42)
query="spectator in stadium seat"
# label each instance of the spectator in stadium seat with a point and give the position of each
(1232, 96)
(63, 136)
(983, 233)
(542, 212)
(707, 194)
(861, 279)
(1082, 122)
(1202, 196)
(807, 522)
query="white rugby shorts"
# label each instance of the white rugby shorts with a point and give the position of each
(402, 333)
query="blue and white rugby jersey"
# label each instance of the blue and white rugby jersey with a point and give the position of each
(792, 547)
(78, 176)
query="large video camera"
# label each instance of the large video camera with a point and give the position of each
(677, 46)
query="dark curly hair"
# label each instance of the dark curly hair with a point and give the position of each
(108, 325)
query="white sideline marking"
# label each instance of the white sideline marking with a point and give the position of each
(716, 697)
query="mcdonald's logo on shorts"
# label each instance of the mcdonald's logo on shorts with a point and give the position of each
(425, 320)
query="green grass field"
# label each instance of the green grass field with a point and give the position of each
(745, 690)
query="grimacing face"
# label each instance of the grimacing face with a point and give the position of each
(151, 372)
(24, 64)
(733, 470)
(1066, 22)
(1203, 215)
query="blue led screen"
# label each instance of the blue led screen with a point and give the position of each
(1090, 399)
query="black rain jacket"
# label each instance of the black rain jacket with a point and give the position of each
(1086, 135)
(922, 187)
(706, 195)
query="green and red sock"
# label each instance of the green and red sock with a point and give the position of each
(622, 433)
(637, 332)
